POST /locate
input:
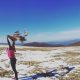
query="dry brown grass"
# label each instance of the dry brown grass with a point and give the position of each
(5, 73)
(35, 49)
(31, 48)
(71, 76)
(71, 54)
(30, 63)
(71, 57)
(36, 70)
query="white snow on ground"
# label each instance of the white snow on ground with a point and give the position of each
(45, 60)
(5, 78)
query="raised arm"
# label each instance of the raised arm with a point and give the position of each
(8, 41)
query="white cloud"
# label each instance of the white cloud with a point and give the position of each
(59, 36)
(51, 36)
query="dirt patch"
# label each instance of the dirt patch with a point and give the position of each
(71, 54)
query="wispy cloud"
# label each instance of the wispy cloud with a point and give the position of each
(58, 36)
(51, 36)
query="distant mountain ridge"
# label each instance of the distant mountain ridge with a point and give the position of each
(75, 44)
(41, 44)
(54, 44)
(50, 44)
(36, 44)
(68, 42)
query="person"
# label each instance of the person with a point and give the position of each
(11, 54)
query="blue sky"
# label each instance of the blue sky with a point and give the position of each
(45, 20)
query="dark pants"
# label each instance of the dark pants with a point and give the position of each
(13, 65)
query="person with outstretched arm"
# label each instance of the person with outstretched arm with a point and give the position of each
(11, 54)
